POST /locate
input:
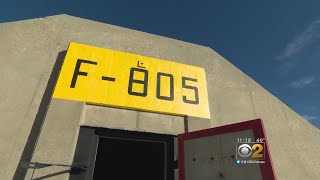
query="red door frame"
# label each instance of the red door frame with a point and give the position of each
(255, 125)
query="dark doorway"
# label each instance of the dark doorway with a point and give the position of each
(123, 159)
(110, 154)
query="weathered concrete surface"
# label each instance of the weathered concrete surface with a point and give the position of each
(113, 118)
(27, 58)
(29, 50)
(98, 116)
(58, 138)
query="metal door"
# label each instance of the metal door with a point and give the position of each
(235, 151)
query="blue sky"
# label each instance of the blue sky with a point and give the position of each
(277, 43)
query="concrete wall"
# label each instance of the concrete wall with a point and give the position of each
(29, 53)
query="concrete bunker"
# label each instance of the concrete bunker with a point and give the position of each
(39, 126)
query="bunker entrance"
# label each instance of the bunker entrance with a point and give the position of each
(125, 159)
(212, 153)
(110, 154)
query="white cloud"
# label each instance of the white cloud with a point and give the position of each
(310, 118)
(307, 37)
(303, 82)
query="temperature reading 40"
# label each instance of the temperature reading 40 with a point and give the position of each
(260, 140)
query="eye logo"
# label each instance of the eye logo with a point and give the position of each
(251, 150)
(244, 150)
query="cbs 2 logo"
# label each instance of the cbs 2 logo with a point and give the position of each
(255, 150)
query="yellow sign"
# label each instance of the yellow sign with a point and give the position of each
(112, 78)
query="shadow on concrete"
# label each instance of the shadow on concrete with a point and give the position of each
(52, 175)
(30, 146)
